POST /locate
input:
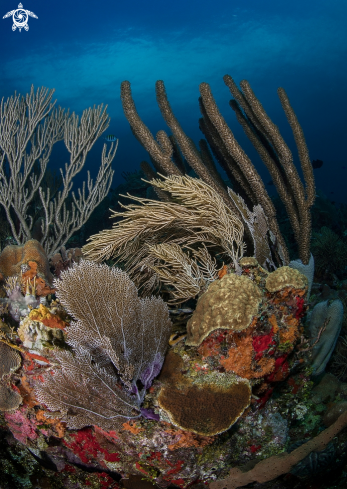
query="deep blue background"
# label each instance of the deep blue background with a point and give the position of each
(86, 49)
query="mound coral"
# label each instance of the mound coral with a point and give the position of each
(285, 277)
(14, 259)
(229, 303)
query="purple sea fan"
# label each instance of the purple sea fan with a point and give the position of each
(119, 343)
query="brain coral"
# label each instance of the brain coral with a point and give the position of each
(285, 277)
(14, 256)
(229, 303)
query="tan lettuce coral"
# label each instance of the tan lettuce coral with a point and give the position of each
(229, 303)
(206, 405)
(9, 398)
(10, 360)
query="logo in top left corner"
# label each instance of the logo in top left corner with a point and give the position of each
(20, 18)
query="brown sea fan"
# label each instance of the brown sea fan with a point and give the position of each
(118, 340)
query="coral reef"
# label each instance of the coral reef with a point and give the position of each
(100, 388)
(237, 397)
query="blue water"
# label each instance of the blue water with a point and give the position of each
(86, 49)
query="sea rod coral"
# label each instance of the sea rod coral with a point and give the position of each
(29, 128)
(173, 244)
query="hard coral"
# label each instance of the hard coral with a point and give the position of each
(229, 303)
(14, 257)
(248, 261)
(10, 360)
(9, 398)
(285, 277)
(208, 405)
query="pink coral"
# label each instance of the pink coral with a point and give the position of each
(21, 426)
